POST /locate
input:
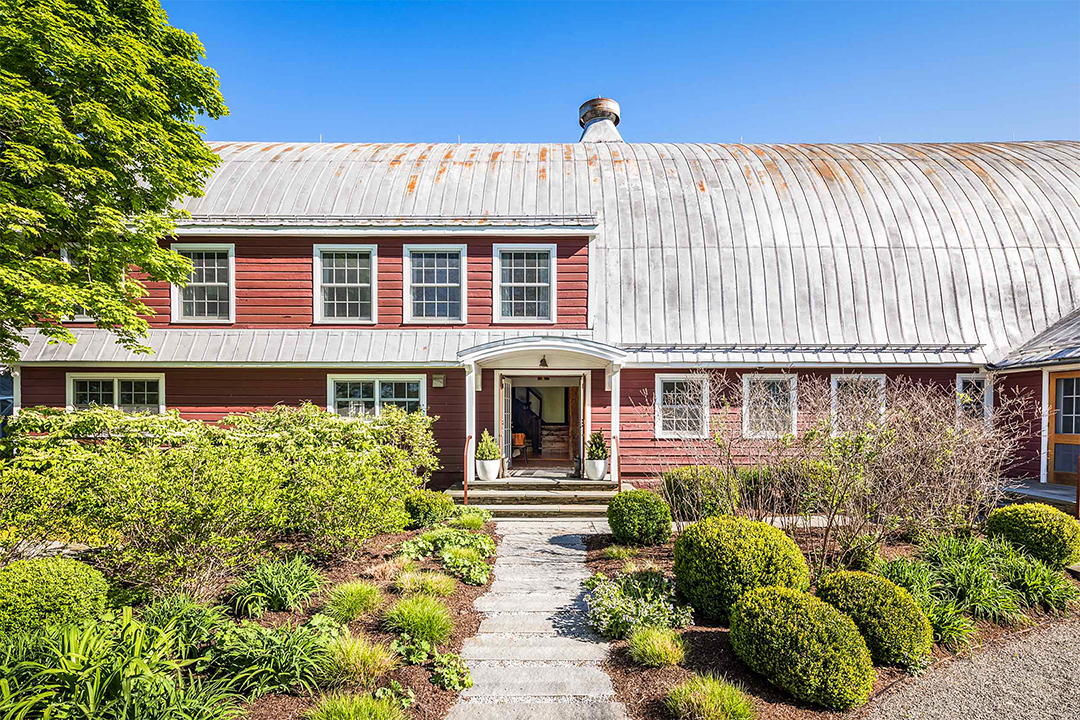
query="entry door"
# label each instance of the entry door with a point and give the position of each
(1064, 440)
(507, 417)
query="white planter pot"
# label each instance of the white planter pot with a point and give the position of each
(488, 469)
(595, 469)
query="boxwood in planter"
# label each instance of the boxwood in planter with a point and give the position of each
(639, 517)
(1047, 533)
(802, 645)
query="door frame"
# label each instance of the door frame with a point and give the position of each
(586, 403)
(1053, 438)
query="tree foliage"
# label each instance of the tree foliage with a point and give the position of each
(99, 103)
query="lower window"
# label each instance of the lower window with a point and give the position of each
(352, 396)
(130, 393)
(769, 405)
(682, 406)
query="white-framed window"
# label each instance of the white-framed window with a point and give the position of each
(974, 395)
(210, 295)
(682, 406)
(435, 284)
(361, 395)
(770, 405)
(345, 284)
(130, 392)
(524, 283)
(856, 398)
(80, 315)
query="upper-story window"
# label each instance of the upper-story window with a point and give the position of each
(769, 405)
(974, 395)
(345, 284)
(435, 284)
(524, 283)
(141, 392)
(80, 315)
(210, 293)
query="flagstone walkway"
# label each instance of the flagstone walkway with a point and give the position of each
(534, 657)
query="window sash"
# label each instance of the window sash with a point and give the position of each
(1067, 406)
(849, 401)
(769, 412)
(130, 395)
(345, 284)
(682, 408)
(974, 396)
(436, 283)
(526, 284)
(207, 294)
(365, 397)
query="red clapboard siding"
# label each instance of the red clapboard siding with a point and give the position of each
(274, 282)
(1028, 465)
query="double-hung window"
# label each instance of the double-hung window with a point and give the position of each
(435, 284)
(974, 395)
(769, 405)
(857, 399)
(140, 392)
(359, 396)
(80, 315)
(682, 406)
(345, 282)
(524, 287)
(209, 295)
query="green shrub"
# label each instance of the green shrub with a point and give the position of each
(274, 585)
(1047, 533)
(720, 558)
(351, 600)
(193, 623)
(597, 447)
(894, 627)
(696, 492)
(707, 697)
(450, 672)
(1037, 584)
(52, 590)
(422, 617)
(620, 605)
(487, 448)
(427, 507)
(802, 645)
(354, 660)
(656, 647)
(428, 583)
(260, 660)
(355, 707)
(639, 517)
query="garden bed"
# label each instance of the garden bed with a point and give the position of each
(642, 689)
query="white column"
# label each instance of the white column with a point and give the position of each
(471, 376)
(615, 402)
(1045, 421)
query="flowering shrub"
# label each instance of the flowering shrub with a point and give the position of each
(620, 605)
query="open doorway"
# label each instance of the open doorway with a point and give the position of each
(544, 415)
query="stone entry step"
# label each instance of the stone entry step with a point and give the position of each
(530, 484)
(543, 512)
(534, 497)
(572, 709)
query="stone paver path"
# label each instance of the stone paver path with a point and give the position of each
(534, 657)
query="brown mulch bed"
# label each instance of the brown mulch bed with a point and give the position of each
(432, 703)
(642, 690)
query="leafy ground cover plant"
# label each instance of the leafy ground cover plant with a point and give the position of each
(289, 658)
(351, 600)
(656, 647)
(53, 590)
(341, 706)
(468, 521)
(412, 650)
(450, 672)
(620, 605)
(356, 661)
(422, 617)
(274, 585)
(426, 582)
(708, 697)
(466, 564)
(396, 694)
(436, 540)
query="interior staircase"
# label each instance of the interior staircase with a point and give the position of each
(555, 441)
(540, 495)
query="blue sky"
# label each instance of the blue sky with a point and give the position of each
(716, 72)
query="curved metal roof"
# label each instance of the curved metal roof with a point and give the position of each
(709, 244)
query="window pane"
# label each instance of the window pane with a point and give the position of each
(768, 406)
(346, 285)
(206, 296)
(525, 290)
(93, 392)
(436, 285)
(682, 407)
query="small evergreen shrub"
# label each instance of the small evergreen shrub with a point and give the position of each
(656, 647)
(340, 706)
(802, 645)
(639, 517)
(707, 697)
(49, 591)
(274, 585)
(696, 492)
(892, 623)
(487, 448)
(597, 447)
(422, 617)
(351, 600)
(720, 558)
(1047, 533)
(645, 598)
(427, 507)
(356, 661)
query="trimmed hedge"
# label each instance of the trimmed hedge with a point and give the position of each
(1045, 532)
(700, 491)
(49, 591)
(720, 558)
(894, 627)
(639, 517)
(802, 645)
(427, 507)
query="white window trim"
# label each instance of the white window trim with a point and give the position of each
(658, 392)
(988, 393)
(793, 385)
(175, 298)
(496, 282)
(116, 378)
(835, 382)
(331, 379)
(316, 283)
(407, 316)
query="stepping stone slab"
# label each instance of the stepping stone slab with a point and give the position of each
(501, 586)
(570, 624)
(496, 679)
(530, 647)
(530, 602)
(569, 710)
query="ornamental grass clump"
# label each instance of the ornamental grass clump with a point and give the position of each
(719, 559)
(288, 658)
(708, 697)
(619, 552)
(656, 647)
(351, 600)
(639, 517)
(1045, 532)
(341, 706)
(620, 605)
(353, 660)
(802, 645)
(422, 617)
(425, 582)
(895, 628)
(950, 626)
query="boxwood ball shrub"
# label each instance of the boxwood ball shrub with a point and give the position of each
(802, 645)
(720, 558)
(1045, 532)
(639, 517)
(49, 591)
(895, 629)
(427, 507)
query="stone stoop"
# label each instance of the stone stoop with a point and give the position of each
(534, 657)
(540, 498)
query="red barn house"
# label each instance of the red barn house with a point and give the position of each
(541, 290)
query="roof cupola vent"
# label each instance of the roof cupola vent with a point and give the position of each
(599, 117)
